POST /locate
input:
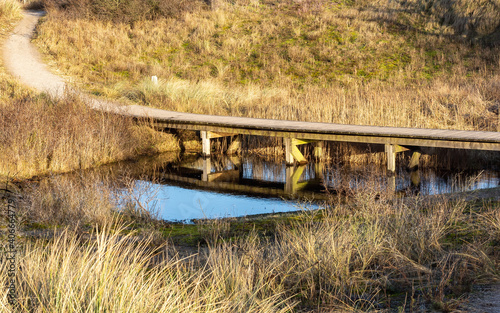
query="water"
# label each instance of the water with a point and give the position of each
(195, 188)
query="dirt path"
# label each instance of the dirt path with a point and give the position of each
(23, 61)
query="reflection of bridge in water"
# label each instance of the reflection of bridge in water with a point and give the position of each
(250, 177)
(229, 174)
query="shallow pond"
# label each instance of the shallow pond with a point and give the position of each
(193, 188)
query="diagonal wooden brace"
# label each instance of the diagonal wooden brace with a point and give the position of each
(292, 153)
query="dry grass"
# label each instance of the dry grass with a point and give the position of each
(41, 135)
(368, 255)
(346, 258)
(9, 9)
(372, 63)
(111, 273)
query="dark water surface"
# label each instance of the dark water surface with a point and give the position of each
(191, 187)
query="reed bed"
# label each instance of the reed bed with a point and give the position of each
(41, 135)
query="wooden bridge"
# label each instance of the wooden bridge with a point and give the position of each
(295, 133)
(23, 61)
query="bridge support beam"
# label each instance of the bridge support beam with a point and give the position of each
(207, 169)
(207, 135)
(205, 143)
(293, 175)
(318, 150)
(292, 152)
(414, 161)
(390, 151)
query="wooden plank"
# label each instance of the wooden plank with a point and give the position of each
(438, 143)
(442, 138)
(310, 127)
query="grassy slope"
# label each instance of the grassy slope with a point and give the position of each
(39, 135)
(353, 62)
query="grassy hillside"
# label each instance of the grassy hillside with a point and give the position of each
(40, 135)
(397, 63)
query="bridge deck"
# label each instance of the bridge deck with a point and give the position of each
(460, 139)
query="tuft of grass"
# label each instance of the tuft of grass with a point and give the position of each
(10, 9)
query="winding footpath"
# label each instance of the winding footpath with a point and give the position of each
(23, 61)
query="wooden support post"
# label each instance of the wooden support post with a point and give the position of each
(293, 175)
(318, 170)
(391, 183)
(292, 153)
(205, 143)
(207, 135)
(414, 161)
(288, 151)
(390, 151)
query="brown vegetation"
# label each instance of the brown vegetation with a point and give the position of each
(376, 253)
(39, 135)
